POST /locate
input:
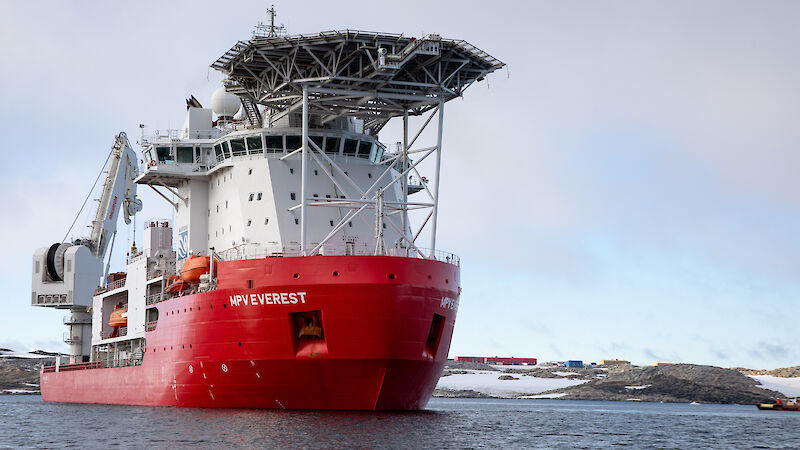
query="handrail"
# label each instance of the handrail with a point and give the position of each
(258, 251)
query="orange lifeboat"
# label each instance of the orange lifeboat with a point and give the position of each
(194, 266)
(176, 285)
(119, 317)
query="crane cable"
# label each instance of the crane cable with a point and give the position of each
(102, 169)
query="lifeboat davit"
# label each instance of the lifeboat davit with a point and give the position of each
(119, 317)
(193, 267)
(176, 285)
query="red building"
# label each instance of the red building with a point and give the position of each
(497, 360)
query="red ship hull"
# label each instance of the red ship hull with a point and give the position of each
(386, 325)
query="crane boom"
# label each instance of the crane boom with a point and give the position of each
(118, 195)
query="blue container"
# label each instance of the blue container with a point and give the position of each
(574, 364)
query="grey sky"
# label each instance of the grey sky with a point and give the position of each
(626, 188)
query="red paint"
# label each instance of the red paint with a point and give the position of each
(496, 360)
(374, 351)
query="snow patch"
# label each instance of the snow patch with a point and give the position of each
(566, 374)
(789, 387)
(10, 354)
(553, 395)
(638, 387)
(486, 382)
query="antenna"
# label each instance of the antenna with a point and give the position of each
(271, 30)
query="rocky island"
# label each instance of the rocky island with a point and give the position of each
(665, 383)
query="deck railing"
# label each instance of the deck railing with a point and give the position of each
(258, 251)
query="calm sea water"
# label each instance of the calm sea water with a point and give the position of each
(26, 421)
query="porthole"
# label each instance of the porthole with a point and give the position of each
(336, 274)
(297, 275)
(391, 276)
(446, 280)
(240, 344)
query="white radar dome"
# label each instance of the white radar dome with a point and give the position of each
(224, 103)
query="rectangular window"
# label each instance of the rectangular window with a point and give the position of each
(350, 147)
(249, 171)
(251, 196)
(332, 145)
(249, 222)
(331, 223)
(316, 172)
(293, 143)
(259, 196)
(350, 224)
(274, 144)
(297, 221)
(317, 140)
(185, 155)
(237, 147)
(266, 221)
(164, 154)
(291, 170)
(378, 154)
(293, 196)
(364, 149)
(254, 144)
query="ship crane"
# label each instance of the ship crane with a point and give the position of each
(66, 274)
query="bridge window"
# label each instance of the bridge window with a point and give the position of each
(254, 144)
(317, 140)
(218, 152)
(237, 147)
(164, 155)
(350, 147)
(274, 144)
(378, 154)
(226, 148)
(293, 142)
(185, 155)
(332, 145)
(364, 149)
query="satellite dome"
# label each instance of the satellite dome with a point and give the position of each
(224, 103)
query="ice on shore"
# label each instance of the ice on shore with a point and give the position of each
(789, 387)
(11, 354)
(486, 382)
